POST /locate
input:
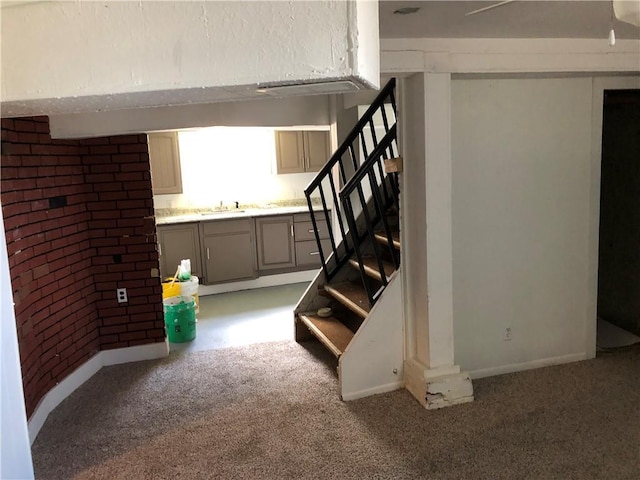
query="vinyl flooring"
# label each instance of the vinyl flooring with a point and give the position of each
(241, 318)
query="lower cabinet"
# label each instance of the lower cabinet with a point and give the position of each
(307, 253)
(228, 250)
(242, 248)
(275, 242)
(178, 242)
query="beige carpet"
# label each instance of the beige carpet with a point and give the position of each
(271, 411)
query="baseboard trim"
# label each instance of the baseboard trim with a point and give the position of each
(84, 372)
(260, 282)
(389, 387)
(135, 354)
(62, 390)
(519, 367)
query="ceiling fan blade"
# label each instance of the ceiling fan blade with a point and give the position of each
(490, 7)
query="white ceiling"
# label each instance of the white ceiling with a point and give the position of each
(518, 19)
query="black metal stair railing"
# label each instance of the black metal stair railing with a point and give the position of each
(339, 171)
(369, 195)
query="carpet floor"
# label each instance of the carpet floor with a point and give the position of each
(271, 411)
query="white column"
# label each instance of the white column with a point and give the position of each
(430, 373)
(15, 449)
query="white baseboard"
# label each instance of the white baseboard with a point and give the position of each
(135, 354)
(62, 390)
(519, 367)
(84, 372)
(260, 282)
(389, 387)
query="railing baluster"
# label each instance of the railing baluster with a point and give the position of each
(393, 103)
(385, 122)
(354, 158)
(356, 240)
(343, 173)
(334, 195)
(317, 235)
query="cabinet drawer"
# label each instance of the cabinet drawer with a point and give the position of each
(304, 230)
(307, 252)
(217, 227)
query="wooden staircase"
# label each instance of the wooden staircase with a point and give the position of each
(363, 329)
(348, 301)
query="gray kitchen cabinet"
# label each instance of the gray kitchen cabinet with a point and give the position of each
(275, 243)
(178, 242)
(164, 160)
(228, 250)
(307, 253)
(301, 151)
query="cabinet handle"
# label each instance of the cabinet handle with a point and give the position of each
(208, 254)
(292, 230)
(311, 230)
(160, 249)
(314, 253)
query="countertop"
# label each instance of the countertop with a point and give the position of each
(230, 214)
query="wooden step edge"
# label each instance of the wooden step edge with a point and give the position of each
(346, 301)
(382, 238)
(373, 272)
(332, 333)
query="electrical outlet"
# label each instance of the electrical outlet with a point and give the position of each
(507, 334)
(122, 295)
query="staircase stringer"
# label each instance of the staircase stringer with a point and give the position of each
(373, 361)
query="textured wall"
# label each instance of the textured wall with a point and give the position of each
(78, 216)
(155, 53)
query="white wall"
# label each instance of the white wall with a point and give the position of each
(61, 57)
(222, 164)
(15, 449)
(521, 220)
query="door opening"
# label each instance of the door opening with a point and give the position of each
(619, 245)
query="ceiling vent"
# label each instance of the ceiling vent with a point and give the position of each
(283, 90)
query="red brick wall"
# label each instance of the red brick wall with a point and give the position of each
(66, 261)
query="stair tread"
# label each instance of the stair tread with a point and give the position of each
(332, 333)
(351, 295)
(371, 267)
(395, 235)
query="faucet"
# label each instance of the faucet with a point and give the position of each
(237, 205)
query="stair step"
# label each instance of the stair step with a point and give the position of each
(381, 237)
(332, 333)
(351, 295)
(371, 267)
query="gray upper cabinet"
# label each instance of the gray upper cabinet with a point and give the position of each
(301, 151)
(317, 148)
(228, 250)
(275, 242)
(164, 157)
(176, 243)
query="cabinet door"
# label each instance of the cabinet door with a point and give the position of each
(164, 159)
(275, 242)
(228, 257)
(317, 150)
(289, 151)
(178, 242)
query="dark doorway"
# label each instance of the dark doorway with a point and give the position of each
(619, 253)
